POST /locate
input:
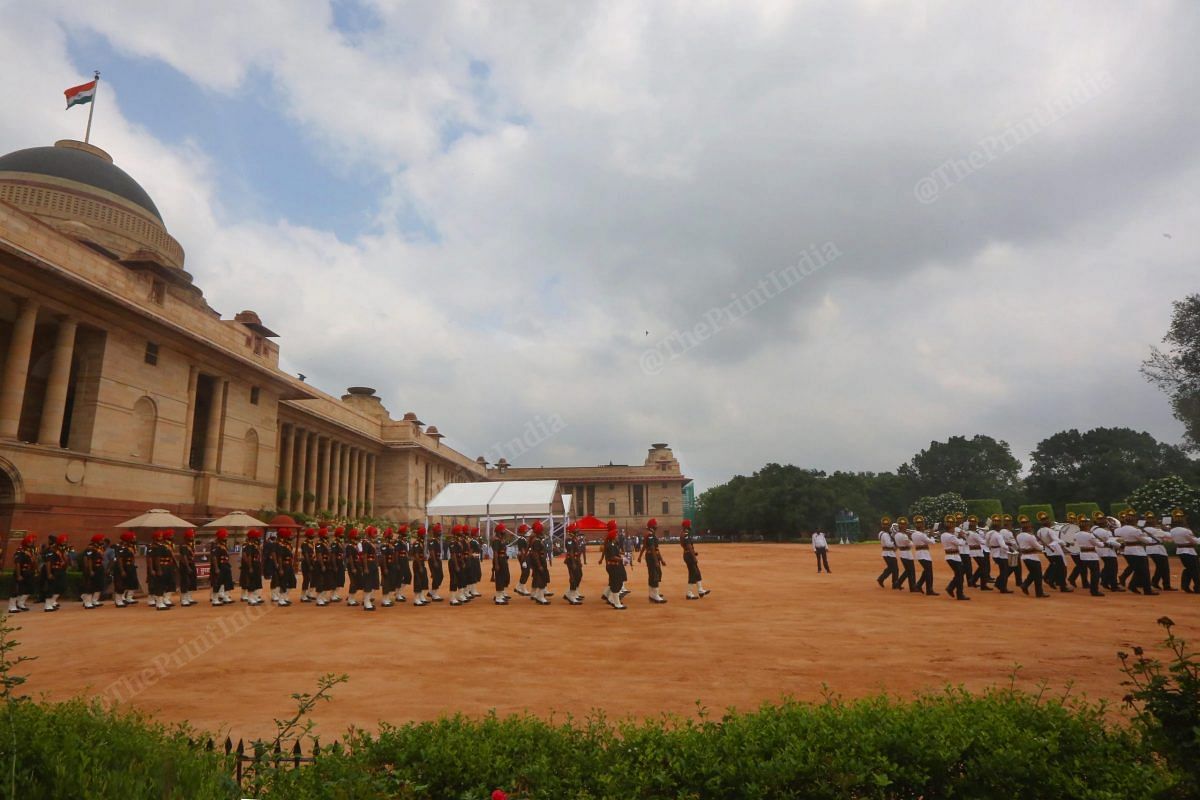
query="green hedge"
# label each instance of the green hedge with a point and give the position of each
(999, 744)
(1082, 509)
(1116, 508)
(76, 749)
(984, 509)
(1031, 510)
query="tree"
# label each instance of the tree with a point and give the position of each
(1102, 465)
(1164, 495)
(934, 508)
(1176, 370)
(977, 467)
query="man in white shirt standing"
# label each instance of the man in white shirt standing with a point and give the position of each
(1089, 557)
(821, 548)
(1135, 541)
(952, 549)
(921, 543)
(1031, 554)
(889, 554)
(1185, 547)
(904, 548)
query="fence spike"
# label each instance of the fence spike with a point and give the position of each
(296, 755)
(316, 751)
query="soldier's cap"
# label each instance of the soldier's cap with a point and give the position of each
(253, 533)
(352, 533)
(1023, 518)
(403, 529)
(1071, 516)
(339, 531)
(972, 518)
(31, 539)
(388, 532)
(959, 516)
(224, 534)
(129, 536)
(1097, 516)
(97, 538)
(687, 523)
(917, 518)
(522, 528)
(1085, 521)
(310, 533)
(323, 533)
(284, 533)
(571, 528)
(1177, 513)
(500, 528)
(653, 523)
(189, 534)
(885, 521)
(1042, 516)
(1008, 517)
(997, 518)
(949, 519)
(901, 520)
(538, 528)
(612, 524)
(157, 536)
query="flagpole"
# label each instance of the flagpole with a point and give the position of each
(91, 109)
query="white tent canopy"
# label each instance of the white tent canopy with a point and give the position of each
(496, 499)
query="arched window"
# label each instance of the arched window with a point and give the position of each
(250, 454)
(145, 421)
(612, 508)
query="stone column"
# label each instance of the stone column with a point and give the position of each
(190, 421)
(55, 402)
(371, 483)
(335, 477)
(352, 489)
(212, 439)
(323, 478)
(16, 370)
(301, 470)
(362, 482)
(310, 481)
(287, 451)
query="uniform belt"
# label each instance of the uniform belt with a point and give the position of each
(920, 547)
(1026, 552)
(1087, 549)
(951, 552)
(885, 547)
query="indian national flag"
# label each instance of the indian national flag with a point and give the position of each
(83, 93)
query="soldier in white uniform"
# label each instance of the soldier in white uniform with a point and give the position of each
(1031, 553)
(904, 548)
(976, 544)
(1056, 568)
(888, 544)
(921, 542)
(1185, 547)
(1135, 541)
(1089, 557)
(1107, 550)
(1010, 539)
(999, 553)
(952, 548)
(1157, 553)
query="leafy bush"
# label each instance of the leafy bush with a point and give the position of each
(984, 509)
(1117, 509)
(74, 585)
(935, 507)
(1031, 510)
(1166, 494)
(1082, 509)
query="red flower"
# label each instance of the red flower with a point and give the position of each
(499, 795)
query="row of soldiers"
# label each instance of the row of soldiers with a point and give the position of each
(1092, 543)
(323, 560)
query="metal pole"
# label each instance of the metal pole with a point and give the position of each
(92, 109)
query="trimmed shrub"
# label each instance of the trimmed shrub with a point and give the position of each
(984, 509)
(1031, 510)
(1082, 509)
(1116, 508)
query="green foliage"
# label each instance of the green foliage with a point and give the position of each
(977, 467)
(1082, 509)
(1166, 494)
(936, 507)
(1031, 510)
(1116, 509)
(1176, 370)
(984, 509)
(74, 584)
(1166, 700)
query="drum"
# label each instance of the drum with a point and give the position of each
(1014, 559)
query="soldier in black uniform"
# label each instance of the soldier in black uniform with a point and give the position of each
(308, 554)
(124, 567)
(522, 543)
(187, 568)
(220, 571)
(156, 564)
(353, 559)
(369, 577)
(93, 572)
(696, 588)
(56, 572)
(457, 567)
(337, 552)
(388, 571)
(24, 575)
(284, 579)
(404, 574)
(654, 560)
(539, 567)
(433, 554)
(571, 562)
(501, 575)
(170, 570)
(420, 570)
(324, 567)
(250, 574)
(475, 562)
(614, 564)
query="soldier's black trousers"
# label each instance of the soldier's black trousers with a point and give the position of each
(575, 572)
(502, 575)
(420, 576)
(1162, 572)
(823, 559)
(983, 572)
(435, 574)
(926, 579)
(1190, 579)
(653, 573)
(1141, 573)
(1033, 576)
(1058, 567)
(889, 571)
(525, 571)
(1003, 571)
(1079, 572)
(616, 577)
(1108, 573)
(908, 575)
(955, 587)
(1090, 571)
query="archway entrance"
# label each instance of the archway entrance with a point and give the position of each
(8, 502)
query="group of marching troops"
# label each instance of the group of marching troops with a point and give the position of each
(324, 563)
(1093, 544)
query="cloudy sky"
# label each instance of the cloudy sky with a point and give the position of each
(823, 233)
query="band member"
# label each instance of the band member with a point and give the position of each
(337, 555)
(93, 572)
(572, 558)
(1185, 548)
(654, 560)
(501, 576)
(904, 551)
(369, 577)
(977, 551)
(538, 564)
(952, 549)
(56, 572)
(921, 542)
(250, 571)
(1106, 548)
(1031, 553)
(1000, 553)
(353, 560)
(125, 575)
(523, 558)
(614, 564)
(888, 544)
(433, 551)
(404, 575)
(696, 588)
(308, 556)
(284, 579)
(1046, 536)
(420, 571)
(186, 558)
(1134, 543)
(1015, 564)
(1157, 553)
(1088, 546)
(24, 575)
(324, 561)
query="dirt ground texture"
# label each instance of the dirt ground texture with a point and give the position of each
(771, 627)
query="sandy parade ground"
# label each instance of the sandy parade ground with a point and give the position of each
(771, 627)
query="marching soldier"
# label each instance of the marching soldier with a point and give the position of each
(308, 565)
(56, 573)
(654, 560)
(353, 561)
(977, 552)
(921, 542)
(220, 569)
(284, 579)
(696, 588)
(1185, 548)
(250, 572)
(454, 558)
(420, 571)
(523, 559)
(1088, 545)
(904, 550)
(161, 571)
(1106, 548)
(324, 562)
(404, 575)
(614, 564)
(474, 550)
(1157, 553)
(952, 550)
(187, 568)
(434, 559)
(572, 558)
(369, 578)
(1015, 566)
(93, 572)
(337, 557)
(1134, 542)
(125, 576)
(1031, 550)
(888, 544)
(24, 575)
(538, 565)
(389, 573)
(1056, 557)
(501, 575)
(998, 548)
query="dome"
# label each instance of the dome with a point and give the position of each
(76, 189)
